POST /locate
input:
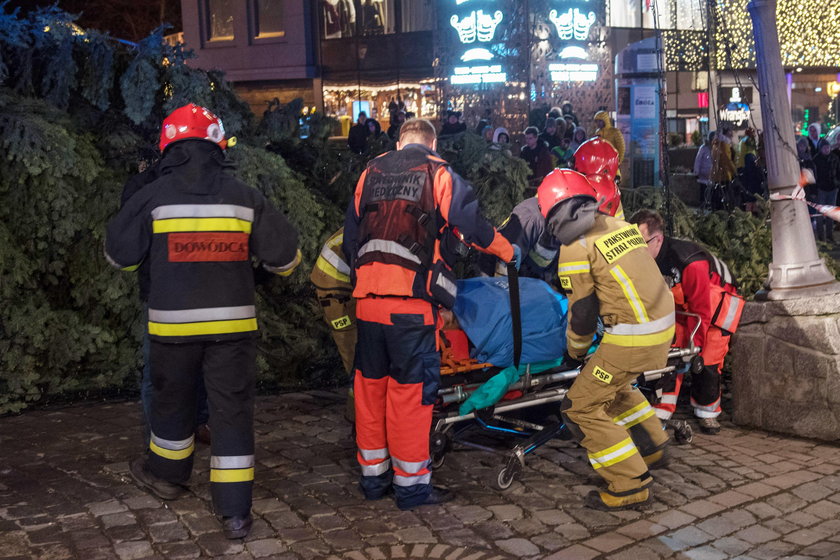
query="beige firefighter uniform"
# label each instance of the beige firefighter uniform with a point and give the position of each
(608, 272)
(331, 278)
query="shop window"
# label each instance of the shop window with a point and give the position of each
(376, 17)
(268, 19)
(220, 20)
(700, 81)
(417, 15)
(338, 18)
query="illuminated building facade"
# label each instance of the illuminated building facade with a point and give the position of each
(511, 58)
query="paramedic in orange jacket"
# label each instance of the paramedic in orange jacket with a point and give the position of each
(699, 282)
(403, 202)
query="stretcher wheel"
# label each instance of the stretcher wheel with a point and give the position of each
(683, 432)
(439, 444)
(505, 474)
(696, 365)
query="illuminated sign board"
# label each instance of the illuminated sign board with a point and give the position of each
(571, 22)
(570, 72)
(475, 25)
(478, 75)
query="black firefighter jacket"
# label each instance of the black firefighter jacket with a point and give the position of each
(198, 227)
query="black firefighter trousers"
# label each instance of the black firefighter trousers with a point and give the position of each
(229, 371)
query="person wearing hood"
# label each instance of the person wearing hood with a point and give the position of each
(200, 227)
(374, 132)
(578, 138)
(605, 129)
(828, 182)
(501, 136)
(453, 124)
(723, 169)
(814, 131)
(607, 273)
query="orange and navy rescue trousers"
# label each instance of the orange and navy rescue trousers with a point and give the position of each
(229, 371)
(397, 374)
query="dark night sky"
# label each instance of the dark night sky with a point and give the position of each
(125, 19)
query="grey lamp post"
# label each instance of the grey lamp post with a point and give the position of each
(796, 270)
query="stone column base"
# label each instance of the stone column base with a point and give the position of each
(786, 367)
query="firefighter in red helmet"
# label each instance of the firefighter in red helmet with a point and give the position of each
(598, 160)
(395, 234)
(605, 270)
(199, 227)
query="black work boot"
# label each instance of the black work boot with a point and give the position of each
(435, 497)
(238, 526)
(145, 479)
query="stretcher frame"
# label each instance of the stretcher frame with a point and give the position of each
(450, 427)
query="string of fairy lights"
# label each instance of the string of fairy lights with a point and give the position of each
(809, 34)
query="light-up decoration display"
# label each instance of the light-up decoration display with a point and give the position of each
(477, 26)
(572, 24)
(568, 72)
(478, 75)
(572, 20)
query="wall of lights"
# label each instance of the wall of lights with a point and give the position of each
(809, 34)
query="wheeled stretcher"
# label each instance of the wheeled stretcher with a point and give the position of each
(461, 376)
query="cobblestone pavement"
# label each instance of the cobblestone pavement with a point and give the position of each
(65, 493)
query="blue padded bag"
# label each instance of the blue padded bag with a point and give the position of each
(483, 310)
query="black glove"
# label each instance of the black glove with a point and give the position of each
(571, 362)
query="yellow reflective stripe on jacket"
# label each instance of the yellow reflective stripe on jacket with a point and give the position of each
(630, 293)
(573, 267)
(200, 224)
(612, 455)
(232, 475)
(635, 415)
(202, 328)
(640, 339)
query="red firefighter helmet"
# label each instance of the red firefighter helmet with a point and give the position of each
(192, 121)
(596, 157)
(560, 185)
(608, 193)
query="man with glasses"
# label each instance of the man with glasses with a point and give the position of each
(702, 284)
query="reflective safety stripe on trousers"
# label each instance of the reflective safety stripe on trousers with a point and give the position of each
(708, 410)
(374, 461)
(172, 449)
(635, 415)
(209, 320)
(614, 454)
(231, 468)
(409, 473)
